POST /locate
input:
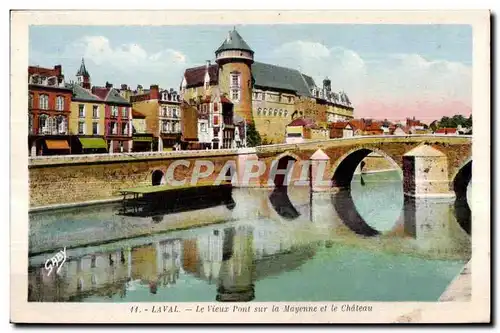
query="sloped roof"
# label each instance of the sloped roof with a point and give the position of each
(309, 81)
(305, 122)
(234, 41)
(196, 76)
(357, 124)
(43, 71)
(446, 130)
(339, 124)
(82, 71)
(82, 94)
(272, 76)
(109, 95)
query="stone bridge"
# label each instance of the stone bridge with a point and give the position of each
(429, 164)
(446, 160)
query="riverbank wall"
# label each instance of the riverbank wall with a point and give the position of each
(460, 289)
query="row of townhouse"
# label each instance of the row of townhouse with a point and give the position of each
(73, 117)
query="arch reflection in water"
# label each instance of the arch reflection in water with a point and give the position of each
(346, 210)
(461, 186)
(281, 203)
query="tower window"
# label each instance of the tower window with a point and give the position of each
(235, 86)
(235, 95)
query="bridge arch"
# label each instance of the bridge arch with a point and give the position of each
(280, 163)
(157, 177)
(460, 183)
(343, 169)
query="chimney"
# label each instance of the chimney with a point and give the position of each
(154, 91)
(58, 69)
(109, 85)
(124, 87)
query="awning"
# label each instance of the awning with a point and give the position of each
(142, 139)
(93, 143)
(57, 144)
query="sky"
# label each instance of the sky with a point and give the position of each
(388, 71)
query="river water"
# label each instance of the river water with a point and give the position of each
(366, 244)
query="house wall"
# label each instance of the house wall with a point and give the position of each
(74, 118)
(150, 109)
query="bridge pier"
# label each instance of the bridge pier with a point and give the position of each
(431, 222)
(425, 173)
(248, 168)
(318, 172)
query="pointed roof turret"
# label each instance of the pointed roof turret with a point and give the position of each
(82, 71)
(234, 42)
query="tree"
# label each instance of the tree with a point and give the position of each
(252, 135)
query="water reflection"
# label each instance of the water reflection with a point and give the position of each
(281, 203)
(256, 257)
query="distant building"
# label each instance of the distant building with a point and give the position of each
(341, 129)
(446, 131)
(303, 129)
(366, 127)
(49, 108)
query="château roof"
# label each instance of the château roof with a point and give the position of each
(264, 75)
(234, 42)
(272, 76)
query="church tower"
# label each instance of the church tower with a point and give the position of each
(235, 59)
(83, 77)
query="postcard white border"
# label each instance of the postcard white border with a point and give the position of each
(478, 310)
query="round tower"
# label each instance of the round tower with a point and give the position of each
(235, 59)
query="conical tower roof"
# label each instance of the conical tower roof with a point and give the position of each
(82, 71)
(234, 42)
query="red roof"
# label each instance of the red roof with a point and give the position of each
(374, 126)
(56, 71)
(357, 124)
(196, 76)
(305, 122)
(225, 100)
(446, 130)
(100, 92)
(339, 124)
(137, 114)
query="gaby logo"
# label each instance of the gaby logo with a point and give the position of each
(56, 261)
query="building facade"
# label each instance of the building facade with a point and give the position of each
(163, 115)
(48, 111)
(269, 95)
(87, 119)
(117, 119)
